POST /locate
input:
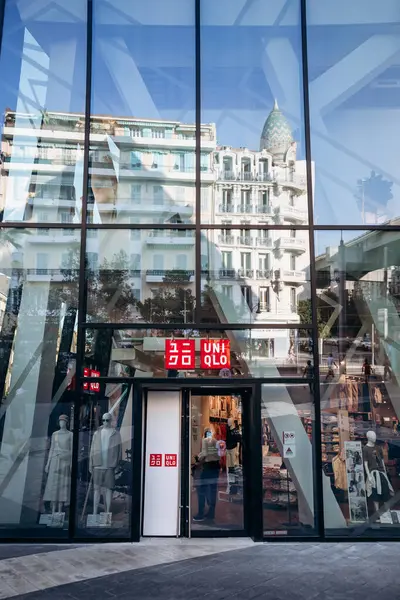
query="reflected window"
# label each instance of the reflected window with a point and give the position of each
(353, 110)
(104, 489)
(255, 99)
(144, 78)
(247, 261)
(358, 310)
(43, 103)
(287, 421)
(38, 309)
(143, 275)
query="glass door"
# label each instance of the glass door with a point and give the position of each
(216, 497)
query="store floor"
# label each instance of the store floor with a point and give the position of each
(213, 569)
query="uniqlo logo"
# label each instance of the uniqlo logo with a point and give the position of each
(215, 354)
(155, 460)
(94, 386)
(180, 354)
(171, 460)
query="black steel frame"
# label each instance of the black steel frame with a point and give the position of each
(198, 227)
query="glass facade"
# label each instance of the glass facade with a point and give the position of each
(199, 190)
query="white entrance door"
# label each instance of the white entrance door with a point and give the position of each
(162, 466)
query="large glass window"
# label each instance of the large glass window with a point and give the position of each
(42, 102)
(353, 64)
(255, 276)
(104, 488)
(252, 90)
(140, 277)
(287, 421)
(251, 352)
(38, 311)
(359, 356)
(142, 159)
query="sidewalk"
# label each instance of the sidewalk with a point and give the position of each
(169, 569)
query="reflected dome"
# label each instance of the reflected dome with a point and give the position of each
(276, 136)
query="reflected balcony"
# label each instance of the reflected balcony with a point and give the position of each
(244, 208)
(291, 244)
(226, 208)
(264, 273)
(54, 236)
(166, 276)
(227, 273)
(264, 209)
(290, 276)
(290, 213)
(226, 239)
(226, 175)
(245, 273)
(244, 240)
(67, 275)
(264, 242)
(265, 307)
(179, 238)
(291, 180)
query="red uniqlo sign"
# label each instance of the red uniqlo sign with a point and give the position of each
(94, 386)
(155, 460)
(171, 460)
(180, 354)
(215, 354)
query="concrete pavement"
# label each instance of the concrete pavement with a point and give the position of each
(213, 569)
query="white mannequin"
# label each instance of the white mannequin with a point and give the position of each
(99, 467)
(371, 437)
(58, 466)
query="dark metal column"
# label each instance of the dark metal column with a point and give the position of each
(318, 486)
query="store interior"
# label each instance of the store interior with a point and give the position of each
(216, 439)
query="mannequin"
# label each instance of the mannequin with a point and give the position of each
(233, 438)
(58, 467)
(379, 488)
(105, 455)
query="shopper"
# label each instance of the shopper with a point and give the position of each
(331, 366)
(309, 373)
(366, 369)
(208, 485)
(387, 371)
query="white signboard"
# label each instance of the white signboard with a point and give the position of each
(289, 450)
(162, 464)
(289, 437)
(356, 482)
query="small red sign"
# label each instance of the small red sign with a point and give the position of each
(215, 354)
(94, 386)
(86, 373)
(155, 460)
(180, 354)
(171, 460)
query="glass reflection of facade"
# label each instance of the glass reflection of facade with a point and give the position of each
(193, 171)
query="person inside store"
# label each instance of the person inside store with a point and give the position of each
(366, 369)
(207, 485)
(387, 371)
(309, 373)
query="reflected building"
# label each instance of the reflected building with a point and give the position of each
(143, 171)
